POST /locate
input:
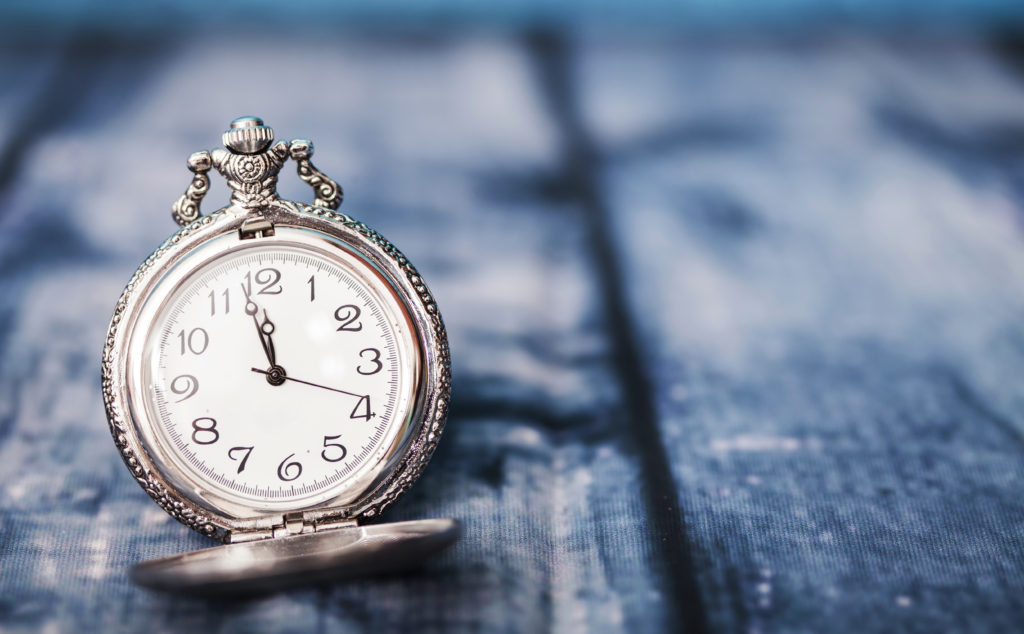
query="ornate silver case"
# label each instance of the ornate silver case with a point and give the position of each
(304, 544)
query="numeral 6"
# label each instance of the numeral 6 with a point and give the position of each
(289, 471)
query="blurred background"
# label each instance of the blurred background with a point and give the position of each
(735, 293)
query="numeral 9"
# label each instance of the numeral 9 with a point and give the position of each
(185, 384)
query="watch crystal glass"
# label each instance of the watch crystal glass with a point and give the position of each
(276, 373)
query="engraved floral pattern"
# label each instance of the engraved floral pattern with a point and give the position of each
(250, 167)
(252, 178)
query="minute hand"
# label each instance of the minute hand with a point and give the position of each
(264, 330)
(310, 383)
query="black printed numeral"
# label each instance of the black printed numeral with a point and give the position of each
(268, 278)
(243, 452)
(213, 302)
(339, 453)
(374, 358)
(186, 385)
(204, 431)
(288, 471)
(196, 342)
(362, 409)
(347, 315)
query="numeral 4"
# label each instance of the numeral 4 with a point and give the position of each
(362, 409)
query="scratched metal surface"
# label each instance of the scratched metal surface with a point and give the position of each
(737, 325)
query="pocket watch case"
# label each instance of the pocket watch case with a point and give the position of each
(302, 522)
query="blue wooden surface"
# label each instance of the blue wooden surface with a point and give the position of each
(737, 324)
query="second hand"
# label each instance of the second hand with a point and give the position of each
(323, 387)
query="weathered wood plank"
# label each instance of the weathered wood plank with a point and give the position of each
(823, 248)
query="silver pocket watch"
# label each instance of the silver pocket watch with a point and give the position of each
(275, 374)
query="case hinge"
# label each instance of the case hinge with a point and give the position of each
(293, 524)
(299, 524)
(255, 227)
(290, 524)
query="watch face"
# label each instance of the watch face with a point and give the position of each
(275, 372)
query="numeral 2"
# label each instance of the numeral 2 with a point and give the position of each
(347, 315)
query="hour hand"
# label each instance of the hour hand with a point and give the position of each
(265, 329)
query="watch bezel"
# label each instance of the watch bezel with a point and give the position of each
(408, 453)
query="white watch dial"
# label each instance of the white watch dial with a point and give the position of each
(278, 373)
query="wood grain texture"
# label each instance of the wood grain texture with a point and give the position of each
(736, 326)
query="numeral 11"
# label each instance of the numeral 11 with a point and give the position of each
(213, 302)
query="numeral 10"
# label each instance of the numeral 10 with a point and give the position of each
(195, 342)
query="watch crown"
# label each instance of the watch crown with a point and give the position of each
(248, 135)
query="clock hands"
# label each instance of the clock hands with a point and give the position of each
(276, 374)
(310, 383)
